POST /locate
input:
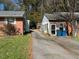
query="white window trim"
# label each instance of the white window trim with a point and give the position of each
(6, 22)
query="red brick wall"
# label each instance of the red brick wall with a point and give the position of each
(19, 25)
(2, 25)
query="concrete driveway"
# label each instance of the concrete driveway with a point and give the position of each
(43, 48)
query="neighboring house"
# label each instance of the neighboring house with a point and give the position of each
(11, 22)
(58, 24)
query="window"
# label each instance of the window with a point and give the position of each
(10, 21)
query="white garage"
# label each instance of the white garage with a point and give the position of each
(51, 23)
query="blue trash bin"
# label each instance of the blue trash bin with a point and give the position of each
(64, 33)
(58, 33)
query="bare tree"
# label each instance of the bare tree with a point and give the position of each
(70, 7)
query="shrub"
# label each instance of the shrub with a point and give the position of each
(10, 29)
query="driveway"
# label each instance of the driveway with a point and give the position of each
(43, 48)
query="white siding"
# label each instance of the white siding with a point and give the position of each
(45, 25)
(45, 20)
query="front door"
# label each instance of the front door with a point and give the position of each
(53, 29)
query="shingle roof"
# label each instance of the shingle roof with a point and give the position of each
(11, 13)
(61, 15)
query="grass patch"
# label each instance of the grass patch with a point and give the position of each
(16, 47)
(77, 38)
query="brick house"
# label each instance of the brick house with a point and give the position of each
(11, 22)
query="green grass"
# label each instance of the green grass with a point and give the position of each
(15, 47)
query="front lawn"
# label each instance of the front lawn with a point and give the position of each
(15, 47)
